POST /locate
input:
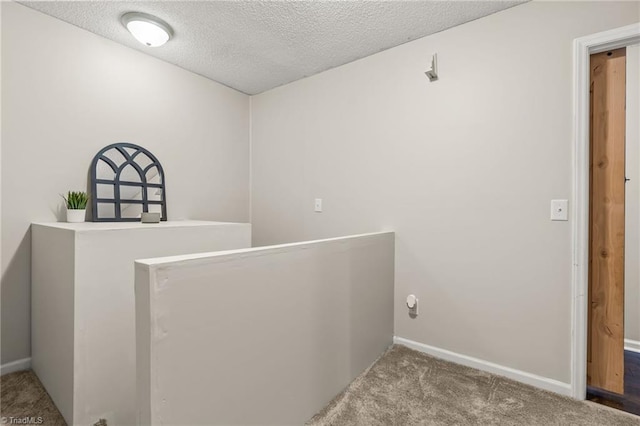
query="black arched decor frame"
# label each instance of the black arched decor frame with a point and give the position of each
(130, 158)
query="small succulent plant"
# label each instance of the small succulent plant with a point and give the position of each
(76, 200)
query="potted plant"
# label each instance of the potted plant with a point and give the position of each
(76, 206)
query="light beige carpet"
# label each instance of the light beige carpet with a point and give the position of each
(405, 387)
(23, 400)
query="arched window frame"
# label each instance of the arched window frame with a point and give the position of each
(117, 182)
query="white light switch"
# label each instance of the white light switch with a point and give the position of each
(317, 206)
(559, 210)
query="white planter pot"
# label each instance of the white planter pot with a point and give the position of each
(75, 216)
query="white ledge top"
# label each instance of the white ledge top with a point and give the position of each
(256, 251)
(115, 226)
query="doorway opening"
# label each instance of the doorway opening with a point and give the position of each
(583, 48)
(613, 369)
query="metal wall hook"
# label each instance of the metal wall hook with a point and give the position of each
(433, 72)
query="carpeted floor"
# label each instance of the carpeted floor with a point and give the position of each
(23, 400)
(402, 388)
(405, 387)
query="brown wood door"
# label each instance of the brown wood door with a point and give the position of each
(605, 355)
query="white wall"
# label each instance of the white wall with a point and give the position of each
(83, 320)
(632, 194)
(462, 169)
(263, 336)
(66, 93)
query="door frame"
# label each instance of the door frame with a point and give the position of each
(583, 48)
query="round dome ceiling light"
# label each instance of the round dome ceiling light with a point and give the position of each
(147, 29)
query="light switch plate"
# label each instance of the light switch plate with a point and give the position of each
(317, 205)
(559, 210)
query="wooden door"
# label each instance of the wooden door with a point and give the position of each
(605, 356)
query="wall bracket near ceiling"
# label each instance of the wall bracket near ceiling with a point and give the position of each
(433, 72)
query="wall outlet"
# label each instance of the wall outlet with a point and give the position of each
(317, 205)
(412, 304)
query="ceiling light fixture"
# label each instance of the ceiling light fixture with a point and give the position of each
(147, 29)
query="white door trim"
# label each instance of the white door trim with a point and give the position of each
(582, 49)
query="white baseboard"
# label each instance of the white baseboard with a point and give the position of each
(632, 345)
(511, 373)
(11, 367)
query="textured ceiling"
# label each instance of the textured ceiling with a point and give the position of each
(253, 46)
